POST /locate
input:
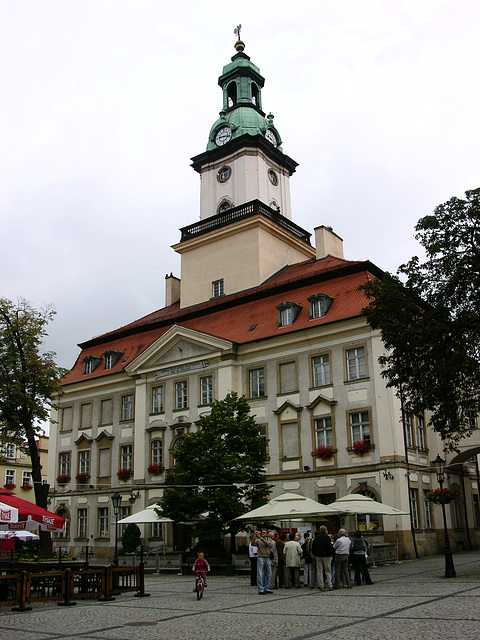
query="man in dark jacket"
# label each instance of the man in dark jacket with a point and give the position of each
(322, 550)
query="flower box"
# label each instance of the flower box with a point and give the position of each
(361, 447)
(10, 486)
(442, 496)
(124, 474)
(27, 487)
(63, 478)
(82, 478)
(156, 469)
(324, 452)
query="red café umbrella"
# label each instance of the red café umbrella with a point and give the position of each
(29, 516)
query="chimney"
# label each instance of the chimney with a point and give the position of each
(172, 289)
(327, 243)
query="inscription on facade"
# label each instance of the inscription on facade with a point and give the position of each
(189, 366)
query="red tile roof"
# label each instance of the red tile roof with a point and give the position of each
(233, 317)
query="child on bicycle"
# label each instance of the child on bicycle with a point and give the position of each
(200, 568)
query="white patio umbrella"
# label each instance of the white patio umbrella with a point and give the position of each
(21, 535)
(290, 506)
(148, 516)
(356, 503)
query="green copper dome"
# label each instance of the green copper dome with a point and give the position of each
(242, 113)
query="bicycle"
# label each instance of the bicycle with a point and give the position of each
(200, 586)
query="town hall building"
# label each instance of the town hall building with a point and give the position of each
(267, 309)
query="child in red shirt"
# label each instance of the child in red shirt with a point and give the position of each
(200, 568)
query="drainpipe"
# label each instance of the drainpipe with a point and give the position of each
(412, 529)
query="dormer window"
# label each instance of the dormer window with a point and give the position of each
(90, 363)
(287, 313)
(319, 305)
(111, 358)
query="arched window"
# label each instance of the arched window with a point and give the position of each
(231, 94)
(63, 513)
(368, 522)
(255, 94)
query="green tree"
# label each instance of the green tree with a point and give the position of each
(219, 472)
(131, 537)
(430, 323)
(28, 382)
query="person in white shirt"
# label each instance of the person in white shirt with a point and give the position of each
(342, 554)
(293, 553)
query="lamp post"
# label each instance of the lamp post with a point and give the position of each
(116, 501)
(450, 572)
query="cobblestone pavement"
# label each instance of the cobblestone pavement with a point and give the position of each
(408, 599)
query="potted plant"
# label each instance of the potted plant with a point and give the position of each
(10, 486)
(324, 452)
(63, 478)
(27, 487)
(82, 478)
(442, 496)
(155, 469)
(361, 447)
(124, 474)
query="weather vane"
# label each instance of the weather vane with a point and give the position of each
(237, 30)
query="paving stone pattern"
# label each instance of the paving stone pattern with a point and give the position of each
(410, 599)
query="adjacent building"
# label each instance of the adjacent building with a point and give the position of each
(264, 309)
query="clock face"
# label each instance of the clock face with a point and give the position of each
(223, 136)
(270, 136)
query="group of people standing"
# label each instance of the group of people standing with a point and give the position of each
(275, 561)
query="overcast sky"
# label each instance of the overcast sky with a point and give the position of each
(103, 103)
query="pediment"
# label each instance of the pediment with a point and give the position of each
(319, 400)
(179, 347)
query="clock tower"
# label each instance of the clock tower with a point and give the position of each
(244, 160)
(245, 233)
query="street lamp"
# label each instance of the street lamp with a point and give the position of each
(450, 572)
(116, 501)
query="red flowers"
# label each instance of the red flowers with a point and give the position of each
(442, 496)
(156, 469)
(124, 474)
(64, 478)
(361, 447)
(324, 452)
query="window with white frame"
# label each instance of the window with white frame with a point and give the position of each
(84, 461)
(181, 394)
(257, 382)
(102, 522)
(321, 370)
(287, 313)
(421, 435)
(356, 363)
(10, 476)
(127, 407)
(206, 390)
(82, 523)
(157, 399)
(360, 426)
(217, 288)
(10, 450)
(319, 305)
(157, 531)
(414, 508)
(126, 456)
(110, 359)
(408, 430)
(427, 511)
(26, 478)
(156, 449)
(64, 463)
(324, 432)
